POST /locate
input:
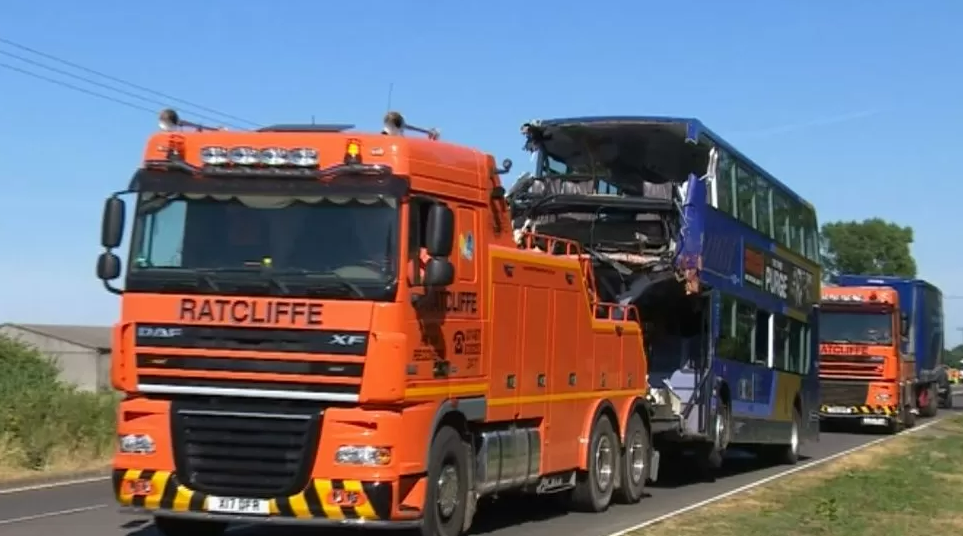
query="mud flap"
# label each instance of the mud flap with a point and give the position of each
(654, 466)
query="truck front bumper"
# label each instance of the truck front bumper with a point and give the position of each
(323, 502)
(866, 415)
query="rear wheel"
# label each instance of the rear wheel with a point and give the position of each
(635, 461)
(595, 487)
(789, 453)
(175, 526)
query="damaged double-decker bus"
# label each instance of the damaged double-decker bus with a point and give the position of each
(721, 260)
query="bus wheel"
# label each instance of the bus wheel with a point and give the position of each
(789, 453)
(635, 461)
(446, 499)
(593, 492)
(709, 458)
(930, 401)
(176, 526)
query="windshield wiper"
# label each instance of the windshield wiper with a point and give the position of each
(196, 276)
(267, 272)
(329, 274)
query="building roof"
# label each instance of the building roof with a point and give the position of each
(96, 337)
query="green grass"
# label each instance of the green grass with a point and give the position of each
(46, 425)
(907, 486)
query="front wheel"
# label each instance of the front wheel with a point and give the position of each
(447, 496)
(175, 526)
(929, 405)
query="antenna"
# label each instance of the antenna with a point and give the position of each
(391, 89)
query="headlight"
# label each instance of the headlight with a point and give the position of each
(215, 156)
(303, 156)
(363, 455)
(136, 444)
(244, 156)
(274, 156)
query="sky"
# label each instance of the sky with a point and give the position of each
(854, 104)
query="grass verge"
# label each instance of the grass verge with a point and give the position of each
(911, 484)
(46, 426)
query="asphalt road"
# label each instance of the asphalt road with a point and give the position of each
(88, 509)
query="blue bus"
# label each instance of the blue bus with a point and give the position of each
(721, 259)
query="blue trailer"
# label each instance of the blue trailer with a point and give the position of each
(921, 304)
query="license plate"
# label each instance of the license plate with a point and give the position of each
(237, 505)
(875, 421)
(837, 410)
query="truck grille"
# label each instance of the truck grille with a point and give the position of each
(235, 450)
(296, 364)
(868, 368)
(842, 393)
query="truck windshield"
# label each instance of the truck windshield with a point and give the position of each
(266, 244)
(840, 327)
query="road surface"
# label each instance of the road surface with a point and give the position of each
(87, 509)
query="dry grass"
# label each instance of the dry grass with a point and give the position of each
(910, 485)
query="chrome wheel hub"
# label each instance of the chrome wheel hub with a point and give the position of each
(604, 463)
(447, 491)
(636, 454)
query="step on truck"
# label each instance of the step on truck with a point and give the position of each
(881, 352)
(719, 258)
(326, 327)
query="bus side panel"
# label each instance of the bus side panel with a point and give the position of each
(809, 393)
(930, 336)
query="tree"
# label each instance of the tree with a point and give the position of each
(954, 357)
(871, 247)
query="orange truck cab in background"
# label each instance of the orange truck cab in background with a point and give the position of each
(287, 357)
(863, 377)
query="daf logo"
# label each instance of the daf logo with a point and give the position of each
(151, 332)
(347, 340)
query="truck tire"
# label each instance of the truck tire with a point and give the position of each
(176, 526)
(904, 420)
(447, 493)
(635, 461)
(932, 402)
(595, 487)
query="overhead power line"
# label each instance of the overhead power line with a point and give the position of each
(138, 87)
(77, 88)
(96, 83)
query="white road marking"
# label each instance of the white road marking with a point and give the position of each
(768, 479)
(58, 484)
(69, 511)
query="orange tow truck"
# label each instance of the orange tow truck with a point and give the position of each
(863, 377)
(327, 327)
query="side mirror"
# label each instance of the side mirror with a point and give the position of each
(904, 324)
(440, 231)
(108, 266)
(112, 226)
(439, 273)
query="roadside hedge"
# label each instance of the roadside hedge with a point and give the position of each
(45, 423)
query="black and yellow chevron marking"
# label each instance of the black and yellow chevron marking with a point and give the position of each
(167, 493)
(861, 410)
